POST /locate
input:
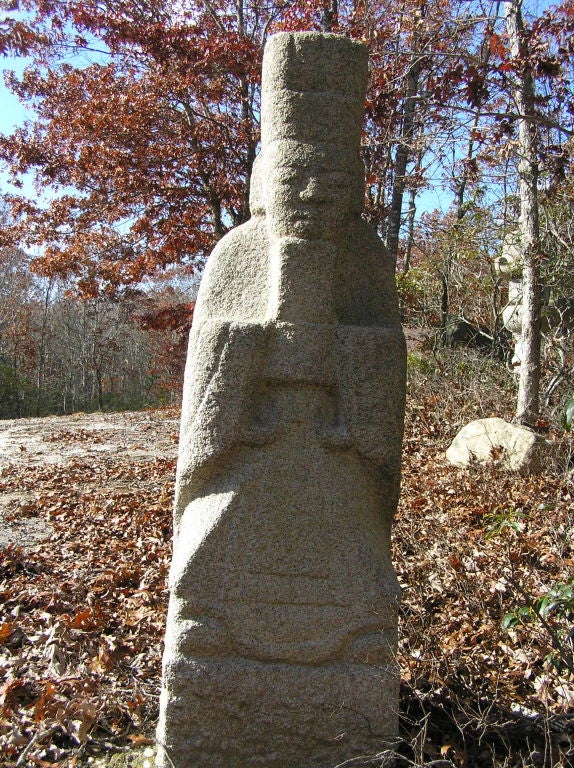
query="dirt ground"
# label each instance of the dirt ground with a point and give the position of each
(60, 440)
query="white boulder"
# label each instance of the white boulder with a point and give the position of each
(494, 440)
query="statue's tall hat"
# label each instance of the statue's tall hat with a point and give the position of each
(313, 87)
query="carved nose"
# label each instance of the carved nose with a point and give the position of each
(312, 192)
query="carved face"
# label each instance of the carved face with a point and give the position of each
(310, 190)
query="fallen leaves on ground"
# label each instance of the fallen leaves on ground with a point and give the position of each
(82, 614)
(470, 547)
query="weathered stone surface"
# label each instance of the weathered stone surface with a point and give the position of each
(516, 448)
(282, 618)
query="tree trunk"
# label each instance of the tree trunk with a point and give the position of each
(444, 296)
(403, 153)
(411, 214)
(40, 370)
(528, 405)
(329, 16)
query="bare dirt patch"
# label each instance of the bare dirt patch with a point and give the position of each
(64, 440)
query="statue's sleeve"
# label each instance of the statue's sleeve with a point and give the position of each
(371, 350)
(218, 387)
(372, 369)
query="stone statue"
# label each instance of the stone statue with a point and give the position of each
(282, 619)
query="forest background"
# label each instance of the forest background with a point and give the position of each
(135, 160)
(143, 128)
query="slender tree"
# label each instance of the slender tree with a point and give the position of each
(528, 403)
(405, 146)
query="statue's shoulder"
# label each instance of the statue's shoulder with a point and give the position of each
(366, 291)
(255, 229)
(236, 278)
(365, 233)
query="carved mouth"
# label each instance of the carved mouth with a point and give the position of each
(313, 217)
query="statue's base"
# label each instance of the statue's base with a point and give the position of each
(241, 713)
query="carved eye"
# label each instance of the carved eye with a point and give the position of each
(287, 176)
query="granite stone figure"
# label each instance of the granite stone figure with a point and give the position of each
(282, 620)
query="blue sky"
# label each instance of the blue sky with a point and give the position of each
(11, 110)
(13, 114)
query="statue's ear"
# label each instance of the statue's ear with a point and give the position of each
(256, 196)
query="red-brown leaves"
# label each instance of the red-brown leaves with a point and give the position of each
(83, 613)
(16, 37)
(149, 146)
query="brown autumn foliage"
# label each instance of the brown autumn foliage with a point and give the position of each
(60, 353)
(83, 611)
(147, 117)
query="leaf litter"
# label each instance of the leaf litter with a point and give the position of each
(82, 612)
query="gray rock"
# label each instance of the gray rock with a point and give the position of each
(283, 611)
(494, 440)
